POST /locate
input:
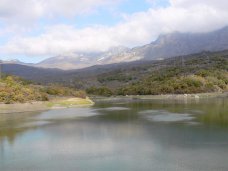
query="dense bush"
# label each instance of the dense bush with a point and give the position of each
(14, 89)
(99, 91)
(175, 83)
(57, 90)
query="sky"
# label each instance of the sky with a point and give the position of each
(33, 30)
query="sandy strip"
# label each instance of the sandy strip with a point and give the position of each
(42, 106)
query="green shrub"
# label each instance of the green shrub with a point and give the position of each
(99, 91)
(14, 89)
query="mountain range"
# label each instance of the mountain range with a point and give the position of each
(119, 75)
(82, 60)
(166, 46)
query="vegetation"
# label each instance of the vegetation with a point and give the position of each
(174, 82)
(14, 89)
(100, 91)
(70, 102)
(57, 90)
(197, 73)
(191, 74)
(117, 76)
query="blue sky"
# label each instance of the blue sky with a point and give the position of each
(38, 29)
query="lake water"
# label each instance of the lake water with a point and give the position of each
(119, 135)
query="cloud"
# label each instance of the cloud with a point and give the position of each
(12, 11)
(191, 3)
(62, 39)
(24, 10)
(135, 29)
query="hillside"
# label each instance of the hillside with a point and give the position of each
(204, 72)
(16, 90)
(39, 75)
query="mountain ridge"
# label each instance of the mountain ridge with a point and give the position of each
(114, 76)
(166, 46)
(171, 45)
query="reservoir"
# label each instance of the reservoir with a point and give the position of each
(119, 135)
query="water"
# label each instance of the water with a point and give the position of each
(119, 136)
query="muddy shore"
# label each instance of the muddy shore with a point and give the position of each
(42, 106)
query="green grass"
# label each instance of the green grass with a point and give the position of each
(70, 102)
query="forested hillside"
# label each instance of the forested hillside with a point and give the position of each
(203, 72)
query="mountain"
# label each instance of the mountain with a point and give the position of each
(119, 75)
(32, 73)
(67, 61)
(14, 61)
(168, 45)
(81, 60)
(176, 44)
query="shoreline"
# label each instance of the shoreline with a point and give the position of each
(196, 96)
(38, 106)
(71, 102)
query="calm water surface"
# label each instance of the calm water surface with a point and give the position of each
(119, 136)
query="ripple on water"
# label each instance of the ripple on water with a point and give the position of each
(196, 111)
(165, 116)
(67, 113)
(115, 108)
(34, 124)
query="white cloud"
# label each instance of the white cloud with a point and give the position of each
(62, 39)
(31, 16)
(136, 29)
(73, 7)
(23, 10)
(221, 4)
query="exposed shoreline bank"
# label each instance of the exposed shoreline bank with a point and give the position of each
(69, 102)
(47, 105)
(164, 97)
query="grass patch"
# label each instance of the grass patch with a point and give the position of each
(70, 102)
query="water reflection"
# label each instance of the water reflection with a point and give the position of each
(10, 124)
(164, 116)
(124, 135)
